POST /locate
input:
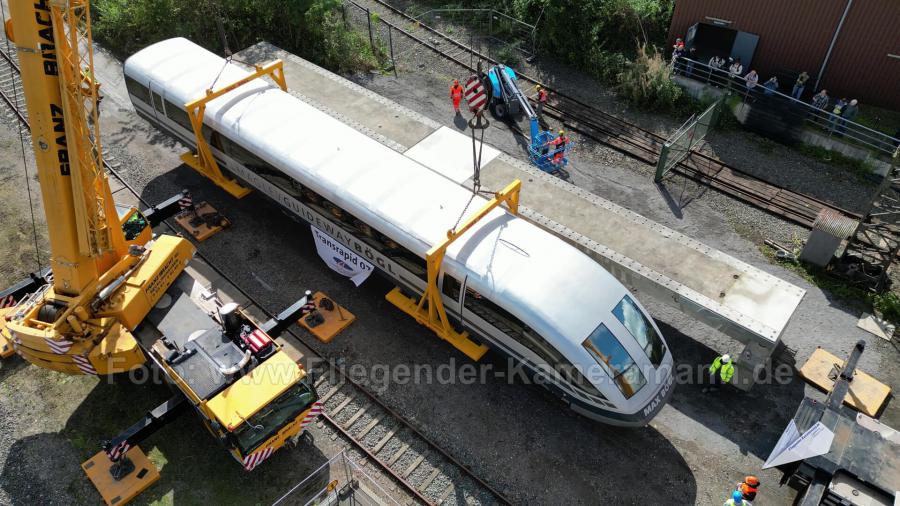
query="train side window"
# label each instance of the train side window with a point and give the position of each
(506, 322)
(158, 103)
(178, 115)
(137, 90)
(451, 287)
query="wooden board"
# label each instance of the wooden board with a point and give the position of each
(122, 491)
(866, 394)
(335, 321)
(195, 226)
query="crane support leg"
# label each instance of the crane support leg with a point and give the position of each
(203, 161)
(121, 471)
(429, 309)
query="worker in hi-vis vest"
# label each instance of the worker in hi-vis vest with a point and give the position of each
(724, 366)
(721, 371)
(456, 94)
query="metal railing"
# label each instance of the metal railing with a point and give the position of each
(822, 120)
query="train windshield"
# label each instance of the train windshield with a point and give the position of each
(640, 327)
(615, 360)
(261, 426)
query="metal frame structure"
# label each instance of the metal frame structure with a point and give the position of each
(203, 161)
(434, 316)
(876, 242)
(695, 128)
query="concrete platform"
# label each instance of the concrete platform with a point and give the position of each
(725, 293)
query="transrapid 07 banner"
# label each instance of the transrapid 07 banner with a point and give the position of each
(340, 258)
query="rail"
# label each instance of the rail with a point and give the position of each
(443, 459)
(604, 128)
(819, 120)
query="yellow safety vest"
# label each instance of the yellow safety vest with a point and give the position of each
(727, 371)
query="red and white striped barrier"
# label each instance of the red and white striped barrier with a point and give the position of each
(84, 364)
(119, 451)
(257, 458)
(59, 346)
(186, 202)
(314, 413)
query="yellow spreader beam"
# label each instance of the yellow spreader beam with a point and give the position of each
(429, 309)
(203, 161)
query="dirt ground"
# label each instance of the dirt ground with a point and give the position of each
(513, 435)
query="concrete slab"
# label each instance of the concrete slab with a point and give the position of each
(449, 153)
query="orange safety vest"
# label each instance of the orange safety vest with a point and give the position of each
(542, 96)
(456, 92)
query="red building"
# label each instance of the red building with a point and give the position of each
(849, 47)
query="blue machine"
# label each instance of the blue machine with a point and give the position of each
(508, 102)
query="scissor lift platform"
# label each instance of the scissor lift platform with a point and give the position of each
(727, 294)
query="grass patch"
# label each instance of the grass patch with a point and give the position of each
(862, 169)
(876, 118)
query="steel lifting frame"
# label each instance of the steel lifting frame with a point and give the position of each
(204, 162)
(434, 316)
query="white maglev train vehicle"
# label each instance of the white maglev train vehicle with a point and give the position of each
(515, 287)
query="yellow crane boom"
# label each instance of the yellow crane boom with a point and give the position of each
(103, 285)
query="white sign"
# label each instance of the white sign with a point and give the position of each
(792, 446)
(340, 258)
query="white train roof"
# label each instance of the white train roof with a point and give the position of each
(513, 261)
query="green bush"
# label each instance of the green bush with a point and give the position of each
(314, 29)
(647, 81)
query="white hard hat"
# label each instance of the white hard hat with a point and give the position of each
(726, 358)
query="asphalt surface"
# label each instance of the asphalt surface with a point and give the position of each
(518, 438)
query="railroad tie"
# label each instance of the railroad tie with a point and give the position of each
(330, 393)
(341, 406)
(445, 494)
(413, 465)
(425, 484)
(393, 460)
(383, 441)
(368, 428)
(349, 423)
(320, 380)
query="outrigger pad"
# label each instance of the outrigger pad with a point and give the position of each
(204, 222)
(119, 492)
(335, 318)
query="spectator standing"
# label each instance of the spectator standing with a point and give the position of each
(851, 111)
(800, 85)
(820, 102)
(735, 71)
(715, 65)
(677, 52)
(771, 86)
(836, 113)
(752, 79)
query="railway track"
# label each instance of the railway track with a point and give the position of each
(424, 469)
(639, 143)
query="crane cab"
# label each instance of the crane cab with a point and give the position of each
(135, 226)
(249, 393)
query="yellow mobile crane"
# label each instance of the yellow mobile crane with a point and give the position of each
(120, 296)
